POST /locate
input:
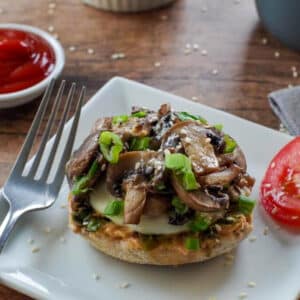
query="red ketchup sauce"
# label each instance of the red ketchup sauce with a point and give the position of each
(25, 59)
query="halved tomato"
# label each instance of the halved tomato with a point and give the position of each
(280, 188)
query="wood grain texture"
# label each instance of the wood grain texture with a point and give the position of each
(229, 32)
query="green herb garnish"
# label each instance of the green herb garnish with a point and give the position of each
(114, 208)
(185, 116)
(192, 243)
(110, 146)
(230, 144)
(181, 165)
(180, 207)
(246, 204)
(200, 223)
(140, 143)
(139, 114)
(120, 119)
(93, 224)
(219, 127)
(80, 185)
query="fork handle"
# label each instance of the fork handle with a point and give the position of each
(7, 225)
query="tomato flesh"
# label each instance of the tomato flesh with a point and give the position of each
(280, 188)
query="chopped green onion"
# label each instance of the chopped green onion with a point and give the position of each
(177, 162)
(184, 116)
(182, 167)
(120, 119)
(230, 144)
(114, 208)
(189, 181)
(219, 127)
(160, 186)
(93, 224)
(139, 114)
(140, 143)
(80, 185)
(200, 223)
(192, 243)
(179, 206)
(110, 146)
(246, 204)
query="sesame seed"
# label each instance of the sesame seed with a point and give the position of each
(243, 295)
(295, 218)
(264, 41)
(72, 48)
(183, 131)
(266, 230)
(51, 28)
(295, 74)
(124, 285)
(194, 98)
(207, 140)
(164, 17)
(276, 54)
(52, 5)
(63, 206)
(90, 51)
(188, 140)
(188, 46)
(215, 72)
(273, 165)
(252, 238)
(204, 9)
(166, 151)
(218, 227)
(62, 239)
(103, 167)
(251, 284)
(187, 51)
(137, 165)
(195, 47)
(35, 249)
(116, 56)
(204, 52)
(157, 64)
(96, 276)
(267, 185)
(47, 229)
(30, 241)
(293, 68)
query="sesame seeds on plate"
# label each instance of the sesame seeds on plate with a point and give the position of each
(252, 238)
(264, 41)
(124, 285)
(243, 295)
(96, 276)
(51, 28)
(215, 72)
(118, 55)
(35, 249)
(266, 230)
(203, 52)
(30, 241)
(276, 54)
(251, 284)
(52, 5)
(157, 64)
(62, 239)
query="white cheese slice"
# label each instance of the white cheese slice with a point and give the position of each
(100, 197)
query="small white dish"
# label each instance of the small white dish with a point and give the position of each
(67, 268)
(28, 94)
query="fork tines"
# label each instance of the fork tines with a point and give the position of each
(18, 168)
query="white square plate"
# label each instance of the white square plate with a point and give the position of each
(64, 270)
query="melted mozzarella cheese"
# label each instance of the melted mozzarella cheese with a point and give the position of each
(100, 197)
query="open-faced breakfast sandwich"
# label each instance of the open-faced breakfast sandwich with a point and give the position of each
(163, 188)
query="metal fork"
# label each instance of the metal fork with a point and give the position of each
(26, 193)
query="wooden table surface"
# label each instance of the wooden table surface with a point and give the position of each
(156, 45)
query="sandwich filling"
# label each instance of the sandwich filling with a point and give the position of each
(157, 174)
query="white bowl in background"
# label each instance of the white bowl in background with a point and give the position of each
(30, 93)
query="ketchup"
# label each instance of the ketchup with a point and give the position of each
(25, 59)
